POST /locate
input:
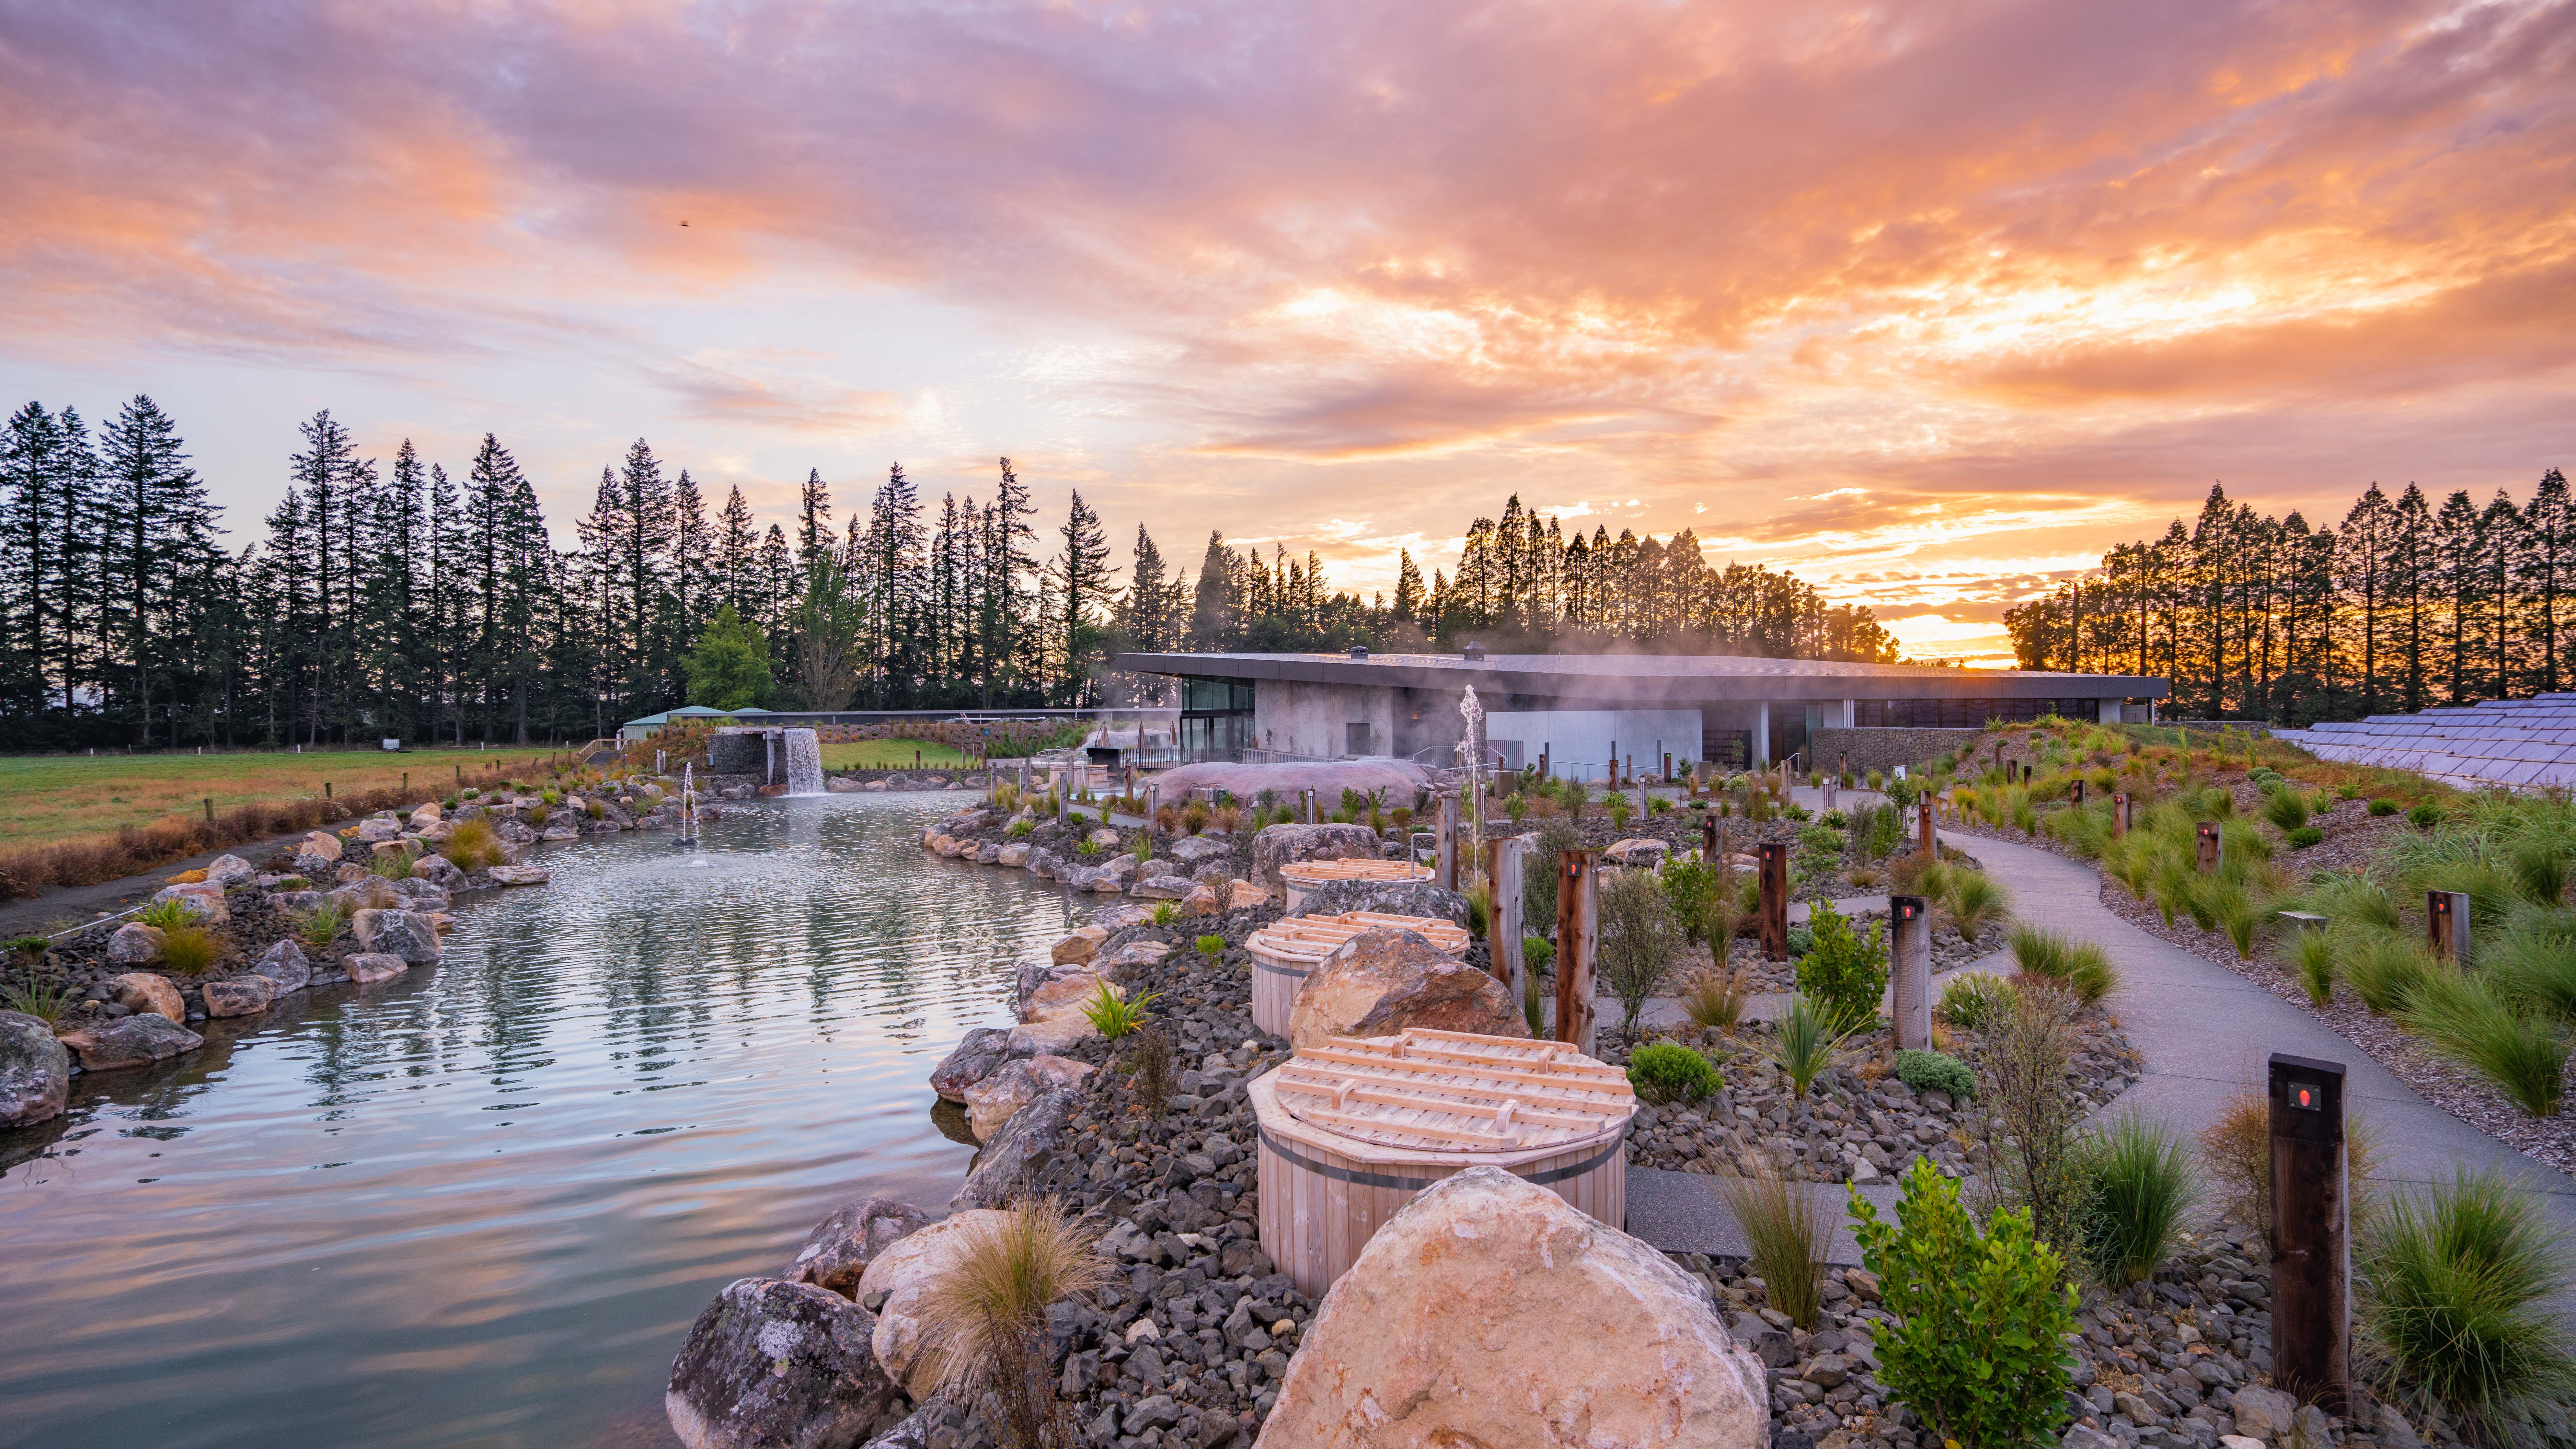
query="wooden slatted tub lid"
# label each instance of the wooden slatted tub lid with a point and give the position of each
(1315, 872)
(1448, 1091)
(1312, 938)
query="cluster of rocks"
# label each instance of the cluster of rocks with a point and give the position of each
(854, 782)
(125, 1009)
(1204, 873)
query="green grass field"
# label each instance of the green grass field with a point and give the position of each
(45, 798)
(890, 755)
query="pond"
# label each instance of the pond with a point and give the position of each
(481, 1205)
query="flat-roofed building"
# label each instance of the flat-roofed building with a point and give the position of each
(1577, 709)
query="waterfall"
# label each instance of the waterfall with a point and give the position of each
(804, 762)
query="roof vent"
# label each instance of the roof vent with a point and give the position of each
(1473, 654)
(1359, 651)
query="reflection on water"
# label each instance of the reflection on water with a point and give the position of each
(481, 1205)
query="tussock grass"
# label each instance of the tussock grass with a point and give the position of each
(1716, 1001)
(189, 950)
(2454, 1288)
(989, 1314)
(472, 845)
(2080, 967)
(1785, 1233)
(2139, 1183)
(2462, 1018)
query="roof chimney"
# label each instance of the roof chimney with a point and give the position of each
(1359, 651)
(1474, 653)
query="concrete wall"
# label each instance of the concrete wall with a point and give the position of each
(1578, 740)
(1314, 719)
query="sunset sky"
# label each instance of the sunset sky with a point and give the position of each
(1925, 303)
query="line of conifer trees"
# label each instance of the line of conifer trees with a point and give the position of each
(2402, 607)
(391, 599)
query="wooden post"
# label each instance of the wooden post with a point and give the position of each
(210, 810)
(2119, 813)
(1577, 917)
(1668, 764)
(1930, 841)
(1507, 916)
(2208, 847)
(1708, 852)
(1910, 958)
(1544, 772)
(2311, 1253)
(326, 789)
(2446, 924)
(2076, 789)
(1614, 765)
(1775, 900)
(1446, 873)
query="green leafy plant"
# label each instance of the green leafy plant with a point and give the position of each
(1115, 1014)
(2138, 1183)
(1844, 971)
(2424, 816)
(1665, 1072)
(2082, 967)
(167, 915)
(1165, 912)
(1975, 1339)
(1020, 829)
(1639, 939)
(1537, 953)
(29, 945)
(1211, 946)
(323, 925)
(189, 950)
(46, 1000)
(1785, 1235)
(2304, 837)
(1689, 885)
(2455, 1283)
(1806, 1045)
(2383, 807)
(1975, 999)
(1933, 1072)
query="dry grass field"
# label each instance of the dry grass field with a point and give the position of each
(889, 755)
(45, 799)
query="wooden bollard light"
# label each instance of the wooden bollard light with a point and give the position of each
(2311, 1253)
(2075, 790)
(1577, 915)
(2446, 924)
(1708, 838)
(1775, 900)
(2119, 813)
(2207, 840)
(1931, 844)
(1910, 953)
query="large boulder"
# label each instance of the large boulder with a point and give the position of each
(136, 944)
(1079, 947)
(1160, 888)
(1047, 992)
(837, 1253)
(978, 1055)
(35, 1071)
(1379, 983)
(1008, 1167)
(204, 903)
(229, 871)
(407, 934)
(1015, 1084)
(777, 1365)
(1489, 1312)
(131, 1041)
(1054, 1036)
(1400, 779)
(320, 843)
(240, 996)
(1393, 897)
(1192, 850)
(286, 967)
(141, 991)
(1288, 844)
(907, 1273)
(439, 871)
(517, 875)
(366, 968)
(1640, 852)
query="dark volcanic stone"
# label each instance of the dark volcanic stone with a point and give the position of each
(841, 1246)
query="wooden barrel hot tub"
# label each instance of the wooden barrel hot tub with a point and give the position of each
(1306, 875)
(1351, 1131)
(1285, 953)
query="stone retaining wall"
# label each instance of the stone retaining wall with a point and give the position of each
(1883, 749)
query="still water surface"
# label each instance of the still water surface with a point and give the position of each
(481, 1205)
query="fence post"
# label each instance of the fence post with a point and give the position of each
(2446, 924)
(210, 810)
(2311, 1252)
(1775, 900)
(1910, 947)
(1577, 915)
(1507, 915)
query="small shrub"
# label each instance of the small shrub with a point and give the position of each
(1975, 1344)
(1639, 939)
(2082, 967)
(1165, 912)
(323, 926)
(189, 950)
(1716, 1001)
(1195, 817)
(29, 945)
(164, 915)
(2424, 816)
(2304, 836)
(1149, 1064)
(1665, 1072)
(2138, 1183)
(1210, 946)
(1114, 1014)
(47, 1001)
(1932, 1072)
(2454, 1304)
(2383, 807)
(1806, 1045)
(1537, 953)
(1785, 1235)
(2287, 809)
(2312, 959)
(1842, 970)
(1974, 1000)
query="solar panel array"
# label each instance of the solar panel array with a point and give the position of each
(2522, 744)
